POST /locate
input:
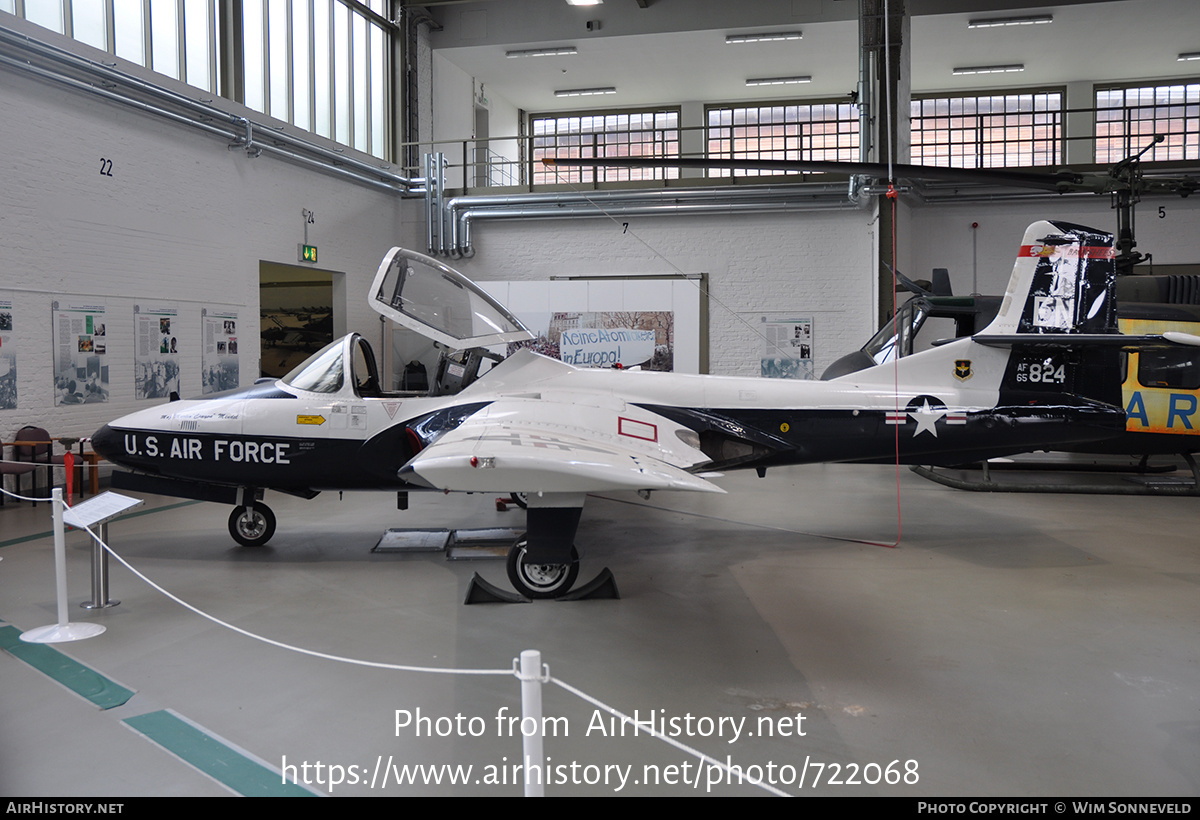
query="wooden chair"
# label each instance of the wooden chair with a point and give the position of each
(34, 446)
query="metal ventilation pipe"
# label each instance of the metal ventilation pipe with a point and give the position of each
(831, 197)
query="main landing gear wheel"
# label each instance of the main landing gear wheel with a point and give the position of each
(520, 499)
(540, 580)
(253, 525)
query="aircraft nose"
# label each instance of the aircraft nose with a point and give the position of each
(107, 442)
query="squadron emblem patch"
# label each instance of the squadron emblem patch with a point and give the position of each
(962, 369)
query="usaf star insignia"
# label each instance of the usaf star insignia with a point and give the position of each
(926, 418)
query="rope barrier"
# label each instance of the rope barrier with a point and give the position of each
(731, 771)
(642, 727)
(24, 497)
(280, 644)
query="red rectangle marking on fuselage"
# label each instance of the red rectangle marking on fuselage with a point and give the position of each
(637, 429)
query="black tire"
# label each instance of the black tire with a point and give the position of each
(541, 580)
(252, 526)
(520, 499)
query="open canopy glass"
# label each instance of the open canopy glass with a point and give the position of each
(422, 294)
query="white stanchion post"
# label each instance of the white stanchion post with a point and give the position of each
(531, 710)
(60, 555)
(63, 630)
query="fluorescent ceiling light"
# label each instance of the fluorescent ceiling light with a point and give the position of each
(989, 69)
(585, 92)
(1000, 22)
(584, 2)
(549, 51)
(1189, 55)
(764, 37)
(777, 80)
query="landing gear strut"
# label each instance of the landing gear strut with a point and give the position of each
(252, 525)
(544, 564)
(546, 580)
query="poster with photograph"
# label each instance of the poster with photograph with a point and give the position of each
(155, 351)
(80, 353)
(219, 358)
(8, 355)
(623, 310)
(787, 348)
(628, 338)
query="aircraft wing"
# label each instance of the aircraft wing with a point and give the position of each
(511, 456)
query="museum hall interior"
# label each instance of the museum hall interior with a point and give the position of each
(601, 398)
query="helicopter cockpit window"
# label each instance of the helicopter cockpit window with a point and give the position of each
(321, 372)
(422, 294)
(1178, 369)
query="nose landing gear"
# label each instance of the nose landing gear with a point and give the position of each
(252, 525)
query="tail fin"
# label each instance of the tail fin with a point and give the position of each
(1063, 282)
(1059, 315)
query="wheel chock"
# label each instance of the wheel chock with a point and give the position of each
(599, 588)
(502, 504)
(479, 591)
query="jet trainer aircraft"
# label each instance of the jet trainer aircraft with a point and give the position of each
(1042, 374)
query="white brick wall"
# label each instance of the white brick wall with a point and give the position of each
(182, 219)
(805, 264)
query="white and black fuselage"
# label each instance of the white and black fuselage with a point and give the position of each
(555, 432)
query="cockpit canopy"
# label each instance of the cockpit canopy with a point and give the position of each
(422, 294)
(438, 302)
(325, 371)
(321, 372)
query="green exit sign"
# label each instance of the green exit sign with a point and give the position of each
(308, 253)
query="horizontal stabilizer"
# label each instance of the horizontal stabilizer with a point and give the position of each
(1170, 339)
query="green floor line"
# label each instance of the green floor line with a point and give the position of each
(25, 538)
(212, 756)
(50, 533)
(83, 681)
(152, 510)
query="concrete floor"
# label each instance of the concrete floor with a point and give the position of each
(1012, 645)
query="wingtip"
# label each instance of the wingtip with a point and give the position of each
(1182, 338)
(409, 475)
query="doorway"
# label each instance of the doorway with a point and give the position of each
(300, 311)
(482, 175)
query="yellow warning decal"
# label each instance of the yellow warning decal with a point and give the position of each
(310, 419)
